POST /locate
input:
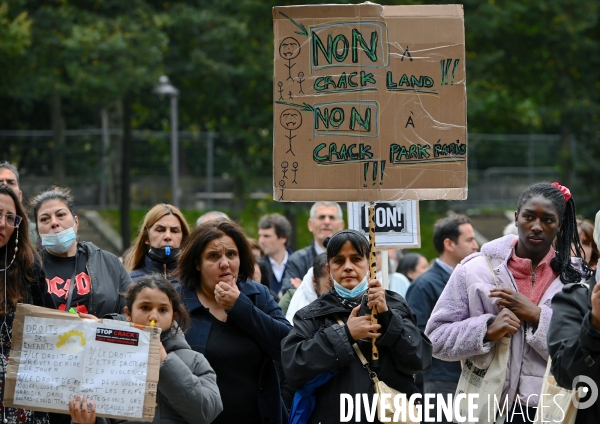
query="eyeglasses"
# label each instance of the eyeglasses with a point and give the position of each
(12, 220)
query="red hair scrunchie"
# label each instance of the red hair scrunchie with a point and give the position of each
(564, 190)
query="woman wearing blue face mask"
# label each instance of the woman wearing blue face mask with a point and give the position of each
(319, 349)
(99, 275)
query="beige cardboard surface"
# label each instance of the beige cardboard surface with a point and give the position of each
(369, 103)
(56, 354)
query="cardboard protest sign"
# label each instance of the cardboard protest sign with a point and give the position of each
(396, 223)
(369, 103)
(56, 355)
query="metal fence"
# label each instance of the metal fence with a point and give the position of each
(500, 166)
(90, 161)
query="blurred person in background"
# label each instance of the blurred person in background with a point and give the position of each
(9, 175)
(454, 240)
(274, 232)
(585, 229)
(410, 266)
(209, 216)
(314, 284)
(158, 244)
(261, 275)
(79, 275)
(257, 251)
(326, 219)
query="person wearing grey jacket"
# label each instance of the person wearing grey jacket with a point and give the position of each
(187, 391)
(183, 397)
(79, 275)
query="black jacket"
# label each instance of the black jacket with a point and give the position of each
(422, 295)
(153, 266)
(573, 343)
(256, 313)
(317, 344)
(275, 283)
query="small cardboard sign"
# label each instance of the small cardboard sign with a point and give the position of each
(56, 355)
(396, 223)
(369, 103)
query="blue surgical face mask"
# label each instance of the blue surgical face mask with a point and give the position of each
(356, 292)
(59, 242)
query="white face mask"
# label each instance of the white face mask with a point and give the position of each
(356, 292)
(59, 242)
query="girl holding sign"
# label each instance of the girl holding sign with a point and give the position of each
(24, 282)
(187, 385)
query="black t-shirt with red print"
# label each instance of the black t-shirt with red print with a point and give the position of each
(59, 271)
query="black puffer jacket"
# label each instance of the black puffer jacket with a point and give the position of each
(574, 343)
(318, 344)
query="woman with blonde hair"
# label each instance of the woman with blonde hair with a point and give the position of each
(157, 246)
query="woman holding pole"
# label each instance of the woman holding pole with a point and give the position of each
(320, 347)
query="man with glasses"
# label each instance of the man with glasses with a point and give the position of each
(9, 175)
(325, 220)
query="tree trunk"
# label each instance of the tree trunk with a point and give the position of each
(125, 168)
(240, 177)
(58, 138)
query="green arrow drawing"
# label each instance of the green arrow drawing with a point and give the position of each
(302, 27)
(305, 106)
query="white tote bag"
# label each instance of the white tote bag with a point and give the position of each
(556, 403)
(487, 382)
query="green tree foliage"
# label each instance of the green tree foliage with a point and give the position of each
(15, 38)
(531, 68)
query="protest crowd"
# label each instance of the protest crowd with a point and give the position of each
(287, 334)
(368, 106)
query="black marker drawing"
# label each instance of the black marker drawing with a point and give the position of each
(284, 168)
(282, 185)
(290, 119)
(409, 121)
(289, 49)
(280, 85)
(375, 173)
(300, 81)
(295, 169)
(290, 94)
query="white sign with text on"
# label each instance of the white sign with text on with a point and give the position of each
(396, 223)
